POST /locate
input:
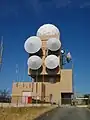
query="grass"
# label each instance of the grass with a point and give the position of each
(23, 113)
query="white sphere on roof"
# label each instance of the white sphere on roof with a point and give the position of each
(53, 44)
(34, 62)
(47, 31)
(51, 61)
(32, 44)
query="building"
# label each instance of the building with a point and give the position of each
(49, 78)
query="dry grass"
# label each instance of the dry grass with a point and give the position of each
(24, 113)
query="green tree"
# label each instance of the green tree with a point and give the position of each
(5, 96)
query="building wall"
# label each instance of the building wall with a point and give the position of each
(53, 89)
(19, 87)
(64, 86)
(66, 80)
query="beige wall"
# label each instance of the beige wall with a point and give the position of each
(65, 85)
(53, 89)
(66, 80)
(19, 87)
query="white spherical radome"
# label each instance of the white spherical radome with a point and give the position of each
(47, 31)
(51, 61)
(34, 62)
(53, 44)
(32, 44)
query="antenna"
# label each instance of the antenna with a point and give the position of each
(17, 72)
(24, 72)
(1, 52)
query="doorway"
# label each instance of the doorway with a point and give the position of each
(66, 98)
(26, 97)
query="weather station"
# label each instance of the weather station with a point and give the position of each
(45, 67)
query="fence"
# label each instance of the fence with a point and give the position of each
(41, 100)
(82, 101)
(30, 100)
(75, 101)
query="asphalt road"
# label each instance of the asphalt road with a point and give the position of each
(66, 114)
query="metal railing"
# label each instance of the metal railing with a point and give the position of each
(18, 101)
(26, 101)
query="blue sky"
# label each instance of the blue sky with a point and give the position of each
(21, 19)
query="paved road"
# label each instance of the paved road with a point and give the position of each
(67, 114)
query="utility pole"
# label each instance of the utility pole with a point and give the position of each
(17, 73)
(36, 85)
(73, 81)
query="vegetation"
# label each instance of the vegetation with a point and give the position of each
(5, 96)
(23, 113)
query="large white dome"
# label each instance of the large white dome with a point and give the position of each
(47, 31)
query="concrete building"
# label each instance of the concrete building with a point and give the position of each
(55, 82)
(59, 90)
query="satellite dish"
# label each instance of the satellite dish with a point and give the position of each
(34, 62)
(51, 61)
(53, 44)
(33, 44)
